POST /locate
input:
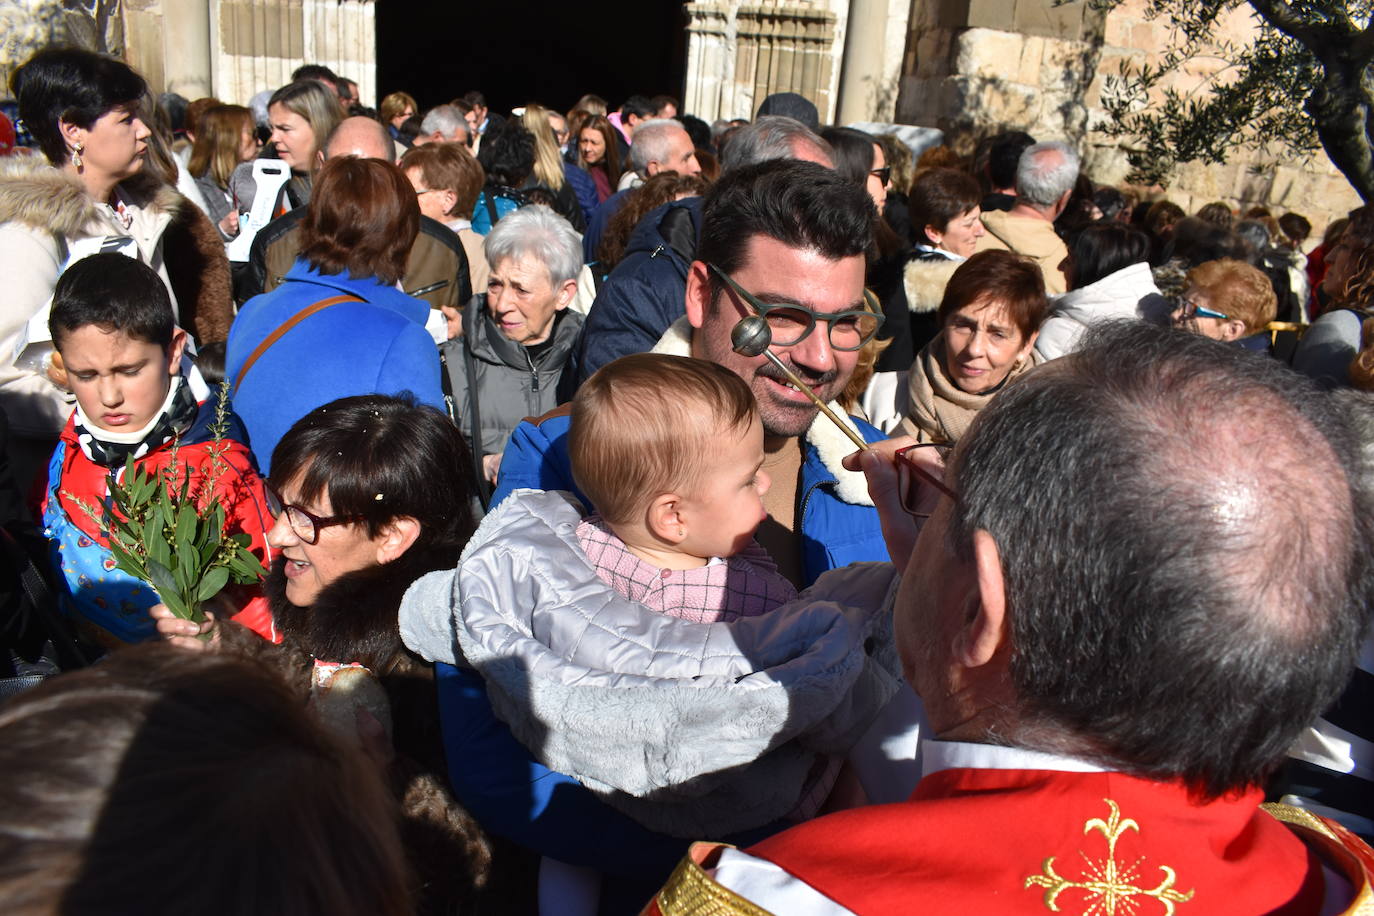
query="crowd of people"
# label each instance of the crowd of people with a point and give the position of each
(636, 514)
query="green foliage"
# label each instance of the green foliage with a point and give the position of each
(1303, 84)
(168, 529)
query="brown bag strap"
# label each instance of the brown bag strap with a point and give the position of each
(280, 331)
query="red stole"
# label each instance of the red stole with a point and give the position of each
(1040, 841)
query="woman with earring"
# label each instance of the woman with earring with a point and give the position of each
(90, 195)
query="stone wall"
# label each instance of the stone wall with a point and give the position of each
(974, 67)
(28, 25)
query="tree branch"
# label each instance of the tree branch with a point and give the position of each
(1282, 16)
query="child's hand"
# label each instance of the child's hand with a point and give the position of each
(184, 633)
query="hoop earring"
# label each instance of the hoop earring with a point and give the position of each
(76, 156)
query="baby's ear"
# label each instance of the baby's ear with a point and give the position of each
(664, 518)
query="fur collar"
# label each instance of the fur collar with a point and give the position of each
(354, 618)
(35, 194)
(831, 444)
(925, 280)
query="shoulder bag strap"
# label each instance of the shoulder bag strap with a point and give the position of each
(281, 331)
(475, 416)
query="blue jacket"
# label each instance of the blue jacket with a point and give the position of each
(647, 291)
(584, 187)
(377, 346)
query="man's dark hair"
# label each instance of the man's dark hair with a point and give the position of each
(314, 72)
(507, 154)
(475, 99)
(698, 130)
(1003, 156)
(114, 292)
(1183, 528)
(1101, 249)
(72, 85)
(663, 101)
(638, 106)
(801, 204)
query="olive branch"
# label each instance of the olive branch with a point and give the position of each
(170, 531)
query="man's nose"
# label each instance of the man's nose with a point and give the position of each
(814, 351)
(111, 392)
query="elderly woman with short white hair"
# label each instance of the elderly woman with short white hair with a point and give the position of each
(519, 336)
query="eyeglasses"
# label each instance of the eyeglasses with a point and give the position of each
(790, 324)
(1187, 308)
(420, 192)
(912, 473)
(884, 174)
(305, 525)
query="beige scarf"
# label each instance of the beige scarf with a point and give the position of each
(940, 411)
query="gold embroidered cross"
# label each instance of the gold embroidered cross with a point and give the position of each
(1108, 884)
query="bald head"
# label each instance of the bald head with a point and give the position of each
(1181, 533)
(360, 137)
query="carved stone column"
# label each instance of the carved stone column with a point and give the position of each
(186, 47)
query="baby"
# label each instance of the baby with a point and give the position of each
(670, 452)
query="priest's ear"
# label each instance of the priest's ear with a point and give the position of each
(985, 631)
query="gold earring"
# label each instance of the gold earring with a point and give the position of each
(76, 156)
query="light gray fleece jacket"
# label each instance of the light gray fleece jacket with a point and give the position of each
(691, 729)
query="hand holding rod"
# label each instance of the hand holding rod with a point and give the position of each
(752, 337)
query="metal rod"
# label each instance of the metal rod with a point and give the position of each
(802, 386)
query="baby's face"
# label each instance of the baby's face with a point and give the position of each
(726, 507)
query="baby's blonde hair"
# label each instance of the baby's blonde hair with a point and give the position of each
(642, 425)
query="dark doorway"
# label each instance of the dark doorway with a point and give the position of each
(517, 51)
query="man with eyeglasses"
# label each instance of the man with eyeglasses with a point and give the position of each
(1114, 653)
(785, 239)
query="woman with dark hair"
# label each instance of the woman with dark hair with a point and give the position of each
(507, 157)
(92, 194)
(945, 209)
(338, 324)
(137, 786)
(225, 139)
(1108, 271)
(599, 153)
(368, 496)
(992, 310)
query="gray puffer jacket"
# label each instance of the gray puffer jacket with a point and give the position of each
(691, 729)
(513, 381)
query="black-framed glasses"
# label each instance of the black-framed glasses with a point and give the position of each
(884, 174)
(790, 323)
(911, 474)
(304, 524)
(1188, 307)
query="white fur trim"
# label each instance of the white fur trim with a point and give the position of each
(830, 443)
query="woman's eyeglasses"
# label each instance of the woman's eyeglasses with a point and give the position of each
(912, 473)
(305, 525)
(1187, 308)
(883, 174)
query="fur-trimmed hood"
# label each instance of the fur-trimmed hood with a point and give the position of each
(35, 194)
(831, 444)
(925, 280)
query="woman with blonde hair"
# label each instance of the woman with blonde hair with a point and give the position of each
(396, 109)
(302, 115)
(225, 138)
(1228, 300)
(574, 193)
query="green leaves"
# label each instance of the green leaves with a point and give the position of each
(168, 529)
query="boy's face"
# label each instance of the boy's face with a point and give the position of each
(726, 506)
(119, 381)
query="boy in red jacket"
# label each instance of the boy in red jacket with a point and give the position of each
(112, 323)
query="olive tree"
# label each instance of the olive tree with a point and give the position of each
(1304, 83)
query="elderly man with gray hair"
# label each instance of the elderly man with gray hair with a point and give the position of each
(443, 124)
(1045, 177)
(661, 145)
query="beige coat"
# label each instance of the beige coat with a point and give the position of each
(1027, 235)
